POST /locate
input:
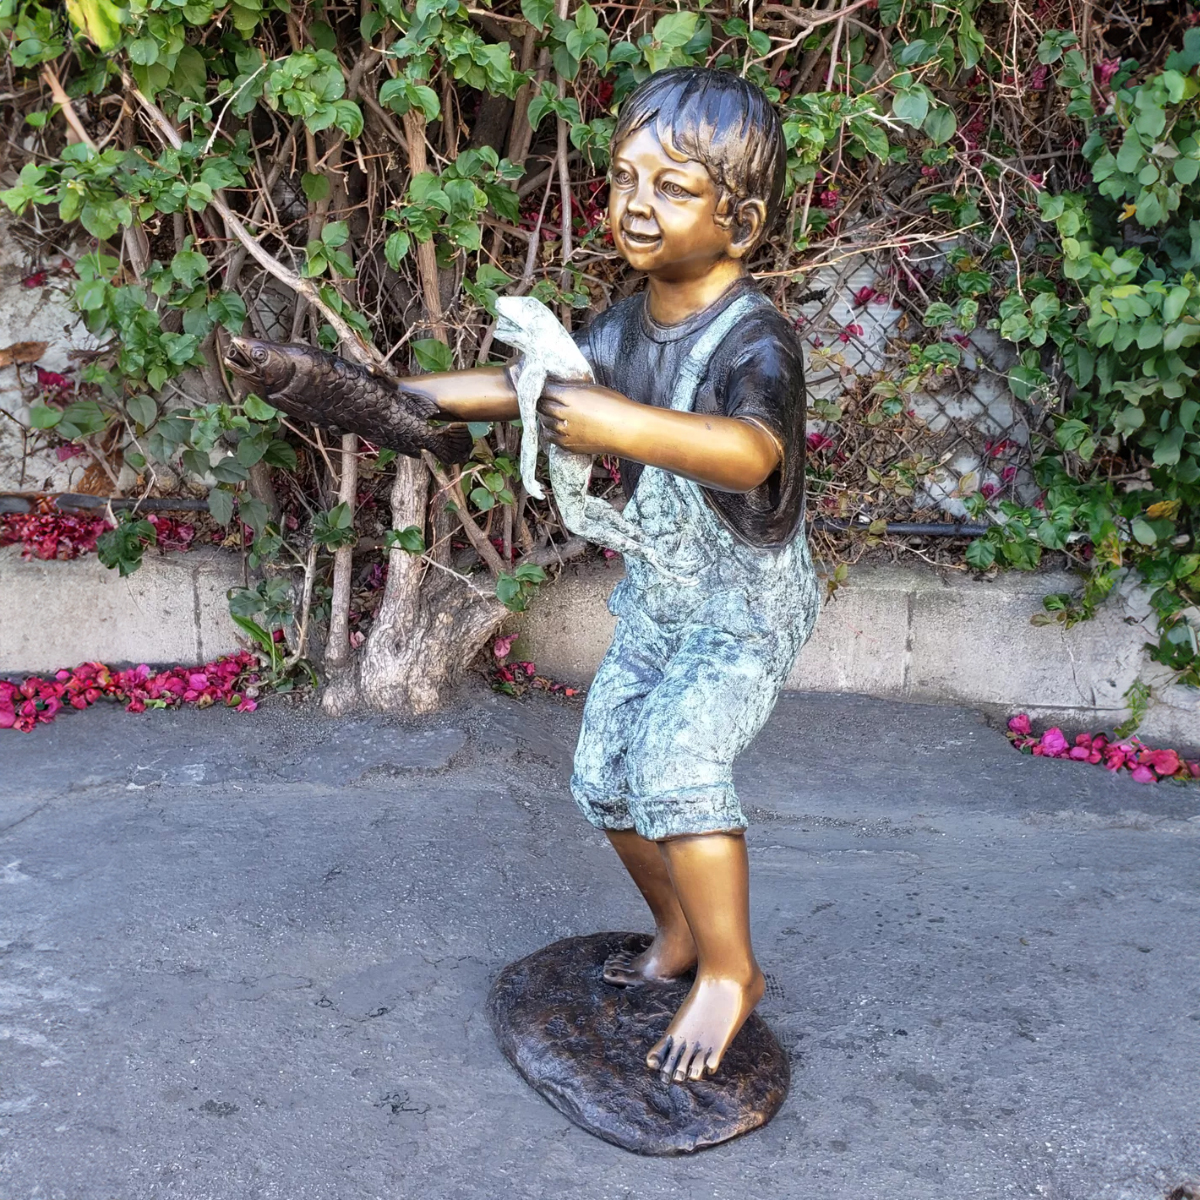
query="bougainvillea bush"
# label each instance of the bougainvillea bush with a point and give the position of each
(232, 680)
(372, 174)
(1114, 754)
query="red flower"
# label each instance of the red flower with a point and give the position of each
(1165, 762)
(1054, 743)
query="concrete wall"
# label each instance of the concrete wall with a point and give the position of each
(59, 614)
(937, 637)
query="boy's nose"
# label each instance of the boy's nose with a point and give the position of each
(640, 201)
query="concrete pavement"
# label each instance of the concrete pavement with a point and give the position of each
(246, 957)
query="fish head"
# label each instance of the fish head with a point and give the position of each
(267, 366)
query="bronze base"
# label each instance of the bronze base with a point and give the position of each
(582, 1044)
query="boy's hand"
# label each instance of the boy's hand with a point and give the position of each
(584, 418)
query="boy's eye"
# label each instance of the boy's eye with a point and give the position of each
(674, 189)
(621, 177)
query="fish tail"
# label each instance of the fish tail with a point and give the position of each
(452, 444)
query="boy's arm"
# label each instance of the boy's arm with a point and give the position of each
(726, 453)
(480, 394)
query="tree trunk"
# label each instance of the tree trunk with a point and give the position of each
(430, 625)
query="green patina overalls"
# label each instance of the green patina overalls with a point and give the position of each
(698, 657)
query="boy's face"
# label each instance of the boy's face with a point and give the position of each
(662, 210)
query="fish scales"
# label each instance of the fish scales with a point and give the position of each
(319, 387)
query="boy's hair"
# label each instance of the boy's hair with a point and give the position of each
(720, 120)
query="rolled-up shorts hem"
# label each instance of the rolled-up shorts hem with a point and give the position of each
(681, 813)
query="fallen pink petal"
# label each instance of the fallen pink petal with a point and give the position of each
(1145, 764)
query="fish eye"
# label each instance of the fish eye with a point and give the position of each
(259, 354)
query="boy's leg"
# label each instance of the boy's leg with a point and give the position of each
(715, 694)
(711, 877)
(631, 669)
(672, 952)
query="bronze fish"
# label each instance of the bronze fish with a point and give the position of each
(328, 391)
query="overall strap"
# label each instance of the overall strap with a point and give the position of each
(693, 368)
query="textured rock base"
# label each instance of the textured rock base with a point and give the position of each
(582, 1044)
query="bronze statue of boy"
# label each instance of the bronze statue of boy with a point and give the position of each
(699, 389)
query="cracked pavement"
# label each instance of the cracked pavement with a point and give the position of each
(247, 957)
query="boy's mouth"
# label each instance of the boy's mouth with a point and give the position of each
(643, 240)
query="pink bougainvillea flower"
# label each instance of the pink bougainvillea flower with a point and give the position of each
(502, 645)
(1165, 762)
(35, 700)
(1104, 70)
(1144, 764)
(1053, 742)
(818, 441)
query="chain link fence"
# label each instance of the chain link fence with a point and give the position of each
(906, 424)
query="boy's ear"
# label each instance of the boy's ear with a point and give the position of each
(749, 218)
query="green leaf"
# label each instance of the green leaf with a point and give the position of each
(348, 118)
(537, 12)
(1167, 452)
(280, 454)
(316, 186)
(675, 29)
(228, 470)
(220, 505)
(911, 106)
(143, 410)
(1175, 303)
(335, 234)
(938, 313)
(42, 416)
(1143, 531)
(411, 540)
(253, 512)
(433, 355)
(82, 419)
(980, 554)
(229, 309)
(90, 294)
(940, 125)
(143, 51)
(396, 247)
(916, 51)
(258, 409)
(1149, 335)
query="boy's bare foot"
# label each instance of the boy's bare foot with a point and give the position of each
(707, 1021)
(667, 957)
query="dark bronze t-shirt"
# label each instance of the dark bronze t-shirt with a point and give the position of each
(757, 373)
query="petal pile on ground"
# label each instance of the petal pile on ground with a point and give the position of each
(231, 680)
(1127, 754)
